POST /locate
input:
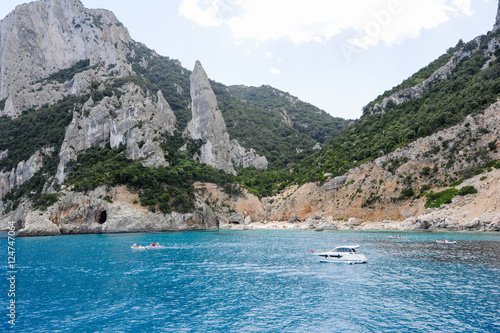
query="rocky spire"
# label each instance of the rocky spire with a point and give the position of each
(207, 123)
(209, 126)
(496, 27)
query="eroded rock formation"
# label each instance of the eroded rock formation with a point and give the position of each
(208, 125)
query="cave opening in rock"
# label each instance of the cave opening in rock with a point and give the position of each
(102, 217)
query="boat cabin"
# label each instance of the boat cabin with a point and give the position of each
(351, 249)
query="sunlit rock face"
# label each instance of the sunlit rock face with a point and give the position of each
(43, 37)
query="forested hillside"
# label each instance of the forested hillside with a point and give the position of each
(274, 123)
(471, 86)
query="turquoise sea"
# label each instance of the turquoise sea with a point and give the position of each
(254, 281)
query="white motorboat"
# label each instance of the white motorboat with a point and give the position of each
(446, 242)
(343, 254)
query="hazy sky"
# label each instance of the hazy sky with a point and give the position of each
(336, 54)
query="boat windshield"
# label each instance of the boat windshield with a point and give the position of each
(344, 249)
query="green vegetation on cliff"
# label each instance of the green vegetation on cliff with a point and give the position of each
(33, 188)
(274, 123)
(157, 72)
(303, 117)
(435, 200)
(468, 89)
(166, 189)
(68, 73)
(36, 129)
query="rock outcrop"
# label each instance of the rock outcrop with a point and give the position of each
(417, 90)
(207, 124)
(134, 120)
(79, 213)
(496, 27)
(43, 37)
(22, 172)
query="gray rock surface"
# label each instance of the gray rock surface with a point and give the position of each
(22, 172)
(335, 183)
(138, 123)
(79, 213)
(30, 34)
(237, 218)
(39, 225)
(207, 124)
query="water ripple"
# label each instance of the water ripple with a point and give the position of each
(258, 281)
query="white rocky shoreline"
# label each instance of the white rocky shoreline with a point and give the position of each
(424, 223)
(43, 227)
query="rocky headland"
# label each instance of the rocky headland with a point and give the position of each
(387, 193)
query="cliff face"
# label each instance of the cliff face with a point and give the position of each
(121, 107)
(76, 213)
(208, 125)
(22, 172)
(134, 120)
(372, 191)
(43, 37)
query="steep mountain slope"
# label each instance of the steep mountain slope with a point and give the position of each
(462, 82)
(284, 120)
(304, 117)
(83, 105)
(260, 122)
(419, 153)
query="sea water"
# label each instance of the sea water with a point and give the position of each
(254, 281)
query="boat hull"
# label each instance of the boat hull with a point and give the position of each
(446, 242)
(357, 258)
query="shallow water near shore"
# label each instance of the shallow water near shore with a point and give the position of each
(255, 281)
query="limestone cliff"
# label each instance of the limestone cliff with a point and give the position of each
(135, 120)
(496, 27)
(81, 214)
(43, 37)
(208, 125)
(22, 172)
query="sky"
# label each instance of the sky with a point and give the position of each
(335, 54)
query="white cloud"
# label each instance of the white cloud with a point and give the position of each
(275, 70)
(206, 17)
(369, 22)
